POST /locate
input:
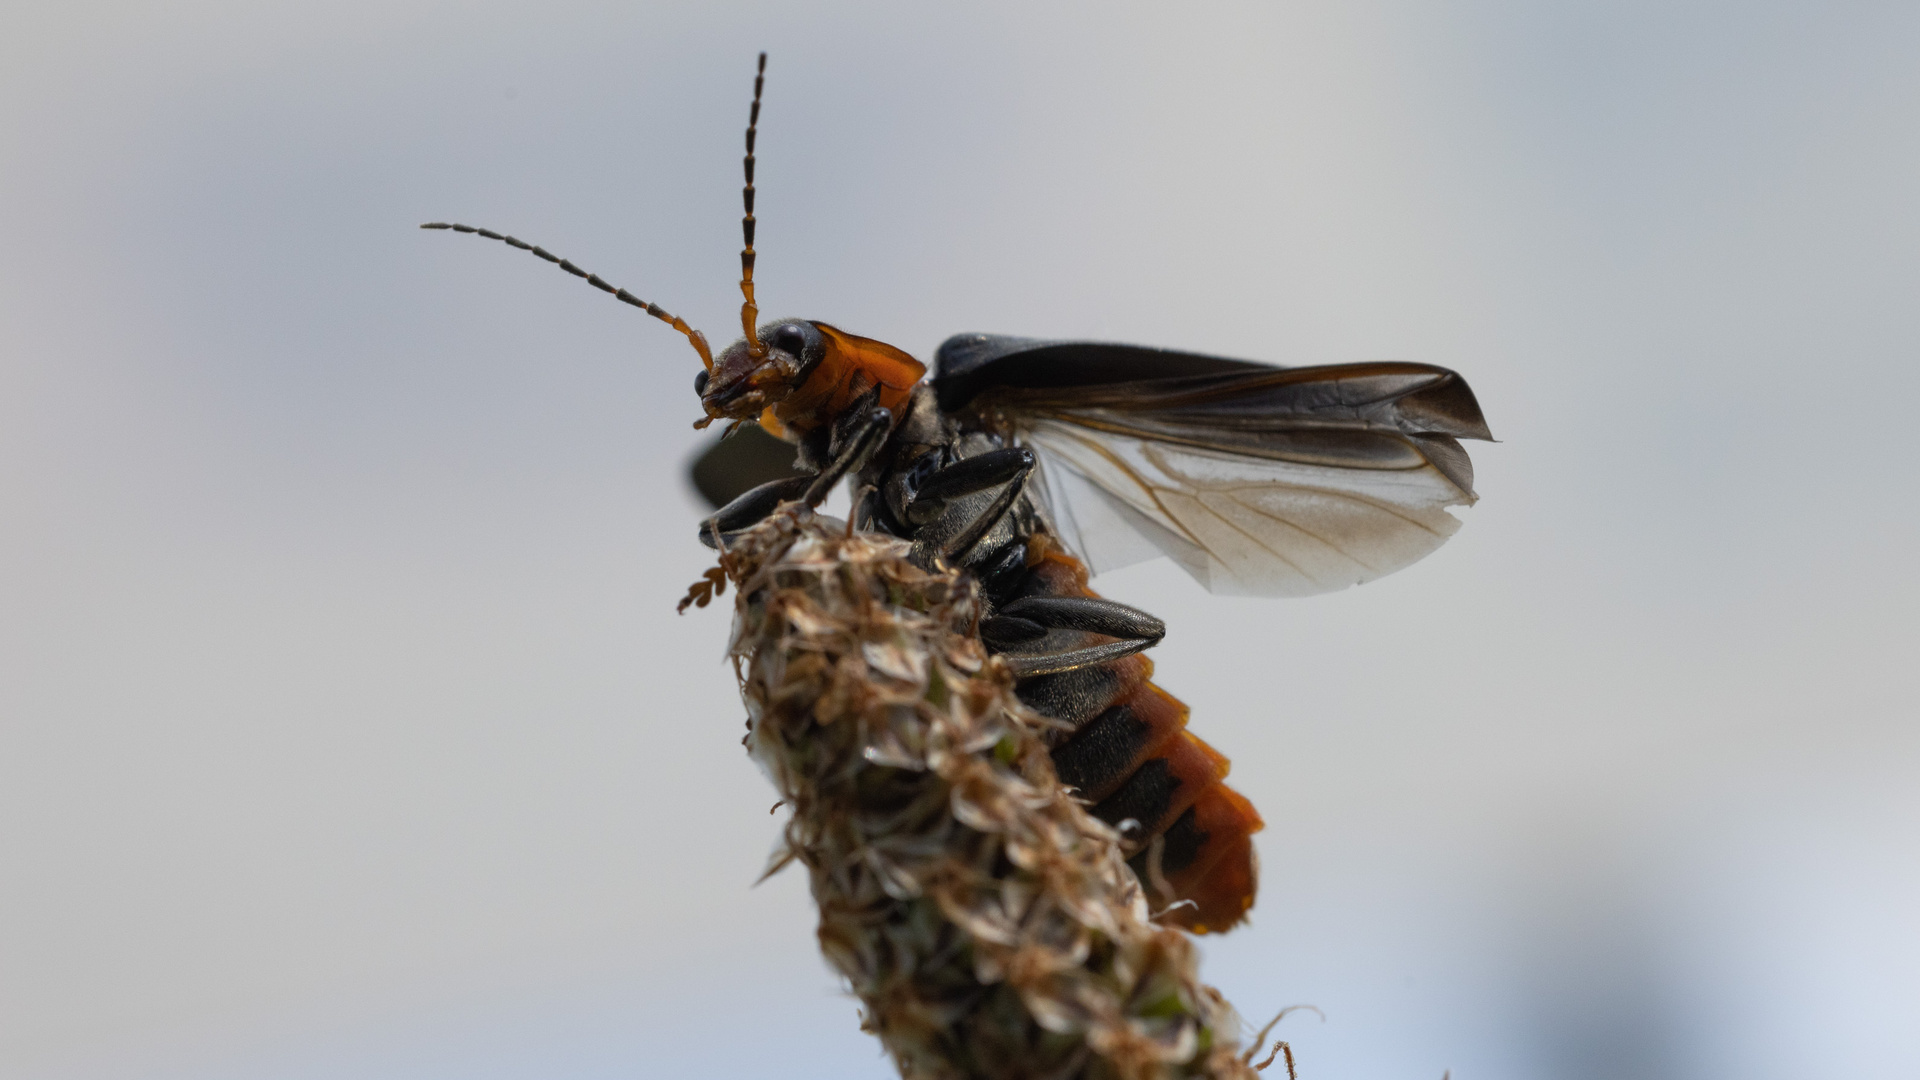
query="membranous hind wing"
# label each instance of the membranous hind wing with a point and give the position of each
(1258, 480)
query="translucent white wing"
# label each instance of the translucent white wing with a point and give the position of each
(1259, 480)
(1241, 525)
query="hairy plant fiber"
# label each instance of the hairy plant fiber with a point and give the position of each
(989, 925)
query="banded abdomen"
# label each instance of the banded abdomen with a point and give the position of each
(1131, 756)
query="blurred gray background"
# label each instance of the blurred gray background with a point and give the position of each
(346, 725)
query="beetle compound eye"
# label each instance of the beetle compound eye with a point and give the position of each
(790, 339)
(700, 381)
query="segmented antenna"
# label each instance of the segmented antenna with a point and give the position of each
(749, 311)
(699, 340)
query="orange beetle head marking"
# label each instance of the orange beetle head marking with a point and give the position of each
(796, 376)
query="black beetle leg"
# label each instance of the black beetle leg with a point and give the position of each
(752, 507)
(1024, 667)
(968, 476)
(1088, 613)
(959, 548)
(859, 443)
(1031, 617)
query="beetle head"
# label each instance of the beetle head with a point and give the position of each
(747, 380)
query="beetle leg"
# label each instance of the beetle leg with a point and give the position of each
(1088, 613)
(854, 447)
(857, 444)
(999, 574)
(968, 476)
(1001, 631)
(959, 547)
(1137, 630)
(1029, 665)
(752, 507)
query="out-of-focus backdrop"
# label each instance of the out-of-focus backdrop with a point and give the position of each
(346, 725)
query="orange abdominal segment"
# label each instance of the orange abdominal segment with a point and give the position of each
(1223, 877)
(1137, 761)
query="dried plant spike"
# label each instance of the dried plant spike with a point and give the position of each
(1279, 1048)
(1260, 1039)
(988, 924)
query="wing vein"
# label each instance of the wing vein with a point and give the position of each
(1239, 523)
(1232, 493)
(1147, 489)
(1355, 497)
(1263, 545)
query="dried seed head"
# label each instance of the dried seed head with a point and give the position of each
(989, 925)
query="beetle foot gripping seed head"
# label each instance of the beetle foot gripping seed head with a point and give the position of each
(989, 925)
